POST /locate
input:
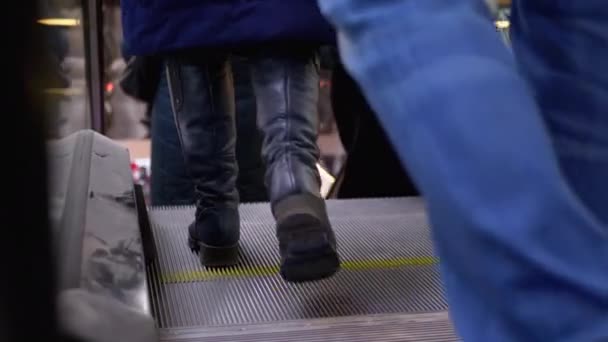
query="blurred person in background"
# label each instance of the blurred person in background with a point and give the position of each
(372, 167)
(280, 39)
(510, 151)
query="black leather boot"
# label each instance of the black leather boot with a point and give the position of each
(203, 103)
(287, 88)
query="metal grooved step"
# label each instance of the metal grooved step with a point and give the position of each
(388, 269)
(434, 327)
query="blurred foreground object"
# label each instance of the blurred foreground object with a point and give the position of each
(94, 318)
(509, 151)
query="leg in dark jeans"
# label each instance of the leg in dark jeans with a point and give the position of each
(170, 183)
(250, 181)
(286, 82)
(202, 97)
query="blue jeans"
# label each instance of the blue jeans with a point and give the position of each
(170, 183)
(509, 149)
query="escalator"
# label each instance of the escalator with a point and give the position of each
(388, 289)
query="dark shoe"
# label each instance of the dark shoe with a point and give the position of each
(307, 243)
(215, 237)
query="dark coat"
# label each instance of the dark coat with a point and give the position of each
(158, 26)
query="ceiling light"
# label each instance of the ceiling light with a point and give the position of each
(68, 22)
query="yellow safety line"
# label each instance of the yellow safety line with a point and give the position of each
(264, 271)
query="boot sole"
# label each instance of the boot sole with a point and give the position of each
(215, 257)
(312, 267)
(316, 260)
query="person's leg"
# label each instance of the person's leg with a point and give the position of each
(286, 83)
(250, 182)
(202, 98)
(522, 259)
(562, 48)
(170, 183)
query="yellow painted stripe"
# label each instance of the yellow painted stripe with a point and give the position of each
(265, 271)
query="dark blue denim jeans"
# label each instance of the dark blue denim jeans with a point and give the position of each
(509, 149)
(171, 184)
(250, 180)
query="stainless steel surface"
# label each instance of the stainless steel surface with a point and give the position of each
(429, 327)
(70, 162)
(97, 236)
(389, 268)
(112, 251)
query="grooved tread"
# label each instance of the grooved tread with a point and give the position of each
(388, 269)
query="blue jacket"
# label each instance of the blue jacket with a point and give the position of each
(157, 26)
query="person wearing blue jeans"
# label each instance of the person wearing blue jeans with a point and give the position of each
(280, 40)
(510, 150)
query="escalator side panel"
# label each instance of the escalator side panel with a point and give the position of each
(69, 168)
(97, 237)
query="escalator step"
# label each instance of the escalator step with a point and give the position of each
(388, 269)
(434, 327)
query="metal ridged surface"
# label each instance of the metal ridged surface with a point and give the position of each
(433, 327)
(384, 244)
